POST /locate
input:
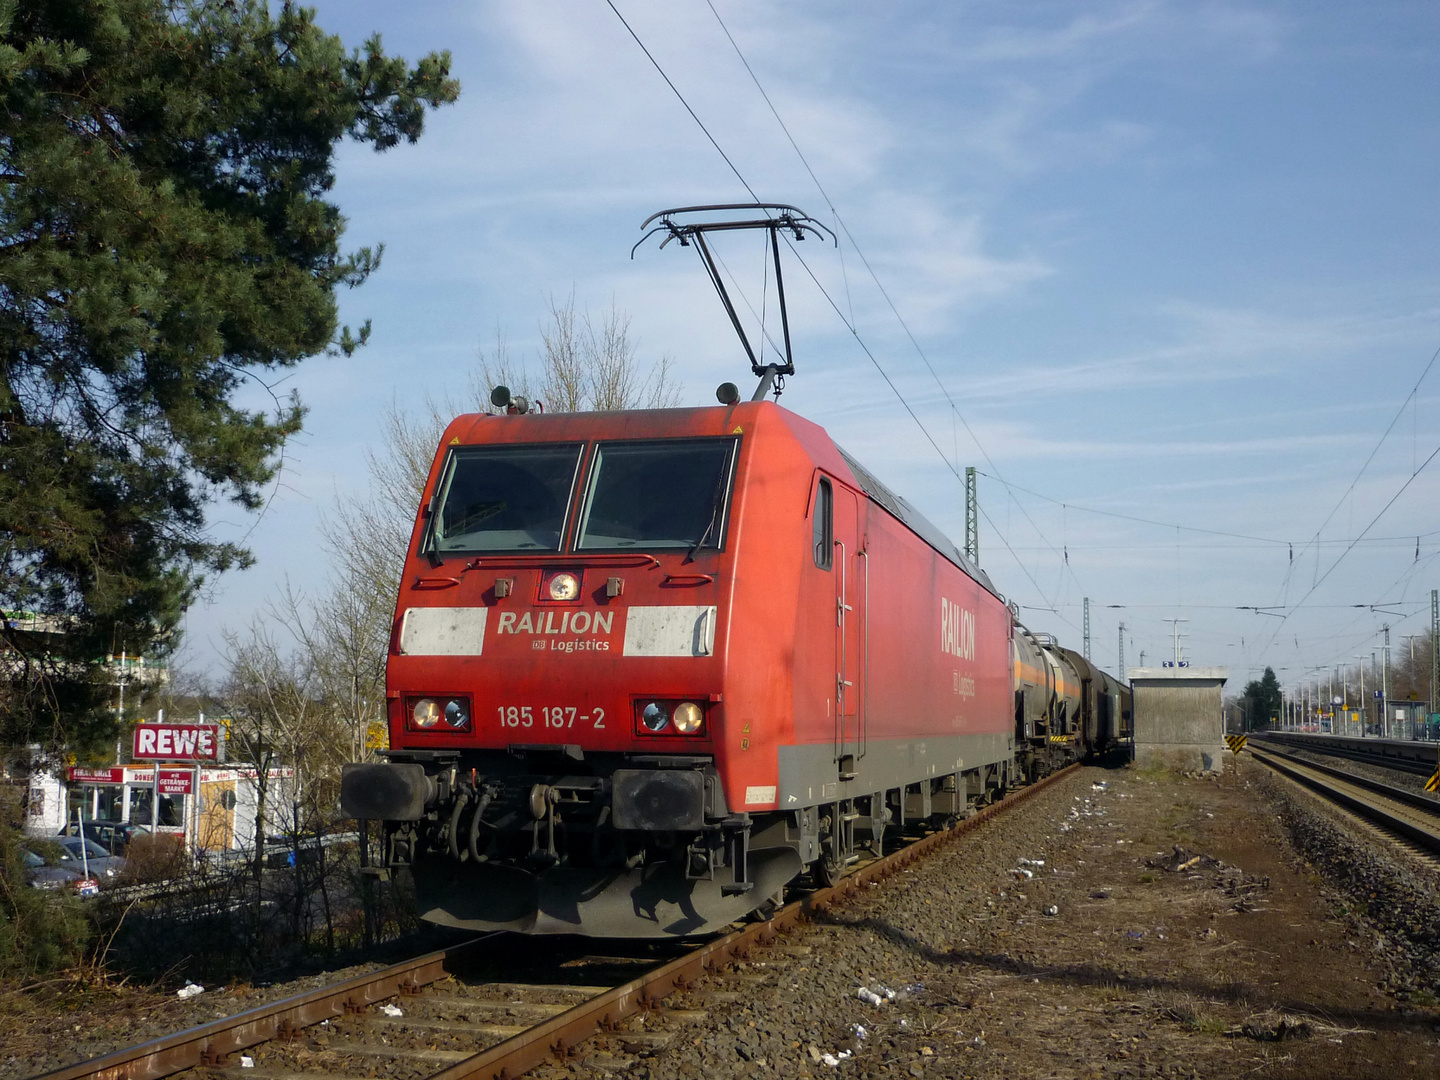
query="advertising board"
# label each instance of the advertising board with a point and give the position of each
(176, 742)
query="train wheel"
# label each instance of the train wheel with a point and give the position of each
(826, 871)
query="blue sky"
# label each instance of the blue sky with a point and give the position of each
(1174, 261)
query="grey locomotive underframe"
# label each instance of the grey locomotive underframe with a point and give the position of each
(541, 808)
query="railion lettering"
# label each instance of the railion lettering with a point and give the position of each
(957, 630)
(559, 623)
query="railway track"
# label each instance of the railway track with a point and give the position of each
(1408, 815)
(487, 1031)
(1416, 759)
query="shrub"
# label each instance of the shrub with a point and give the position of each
(41, 930)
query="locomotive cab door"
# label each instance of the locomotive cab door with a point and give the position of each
(852, 574)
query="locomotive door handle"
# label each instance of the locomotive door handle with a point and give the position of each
(688, 579)
(702, 631)
(863, 719)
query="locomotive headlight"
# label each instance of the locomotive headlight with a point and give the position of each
(688, 717)
(655, 717)
(564, 587)
(425, 713)
(457, 713)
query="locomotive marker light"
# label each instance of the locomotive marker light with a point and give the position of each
(659, 717)
(688, 717)
(426, 713)
(564, 587)
(655, 717)
(456, 714)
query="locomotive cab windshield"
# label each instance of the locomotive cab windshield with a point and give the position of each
(658, 495)
(650, 495)
(504, 498)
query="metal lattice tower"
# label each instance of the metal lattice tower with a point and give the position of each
(1085, 649)
(1122, 652)
(972, 517)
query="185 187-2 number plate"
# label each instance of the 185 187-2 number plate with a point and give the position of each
(549, 716)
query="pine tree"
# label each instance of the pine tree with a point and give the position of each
(1263, 701)
(165, 237)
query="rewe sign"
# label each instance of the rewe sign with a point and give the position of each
(176, 742)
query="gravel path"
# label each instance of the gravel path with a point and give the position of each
(1171, 931)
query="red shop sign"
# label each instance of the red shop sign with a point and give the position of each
(177, 742)
(97, 776)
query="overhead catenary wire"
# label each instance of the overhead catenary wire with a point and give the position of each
(1136, 518)
(952, 460)
(1410, 397)
(848, 323)
(875, 277)
(1360, 536)
(699, 123)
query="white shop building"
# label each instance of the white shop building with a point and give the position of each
(209, 807)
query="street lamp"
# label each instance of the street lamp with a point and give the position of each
(1364, 708)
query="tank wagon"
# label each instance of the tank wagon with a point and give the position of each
(649, 667)
(1065, 707)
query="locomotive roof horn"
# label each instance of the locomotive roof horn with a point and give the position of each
(775, 217)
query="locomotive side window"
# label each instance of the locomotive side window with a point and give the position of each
(658, 495)
(504, 498)
(824, 529)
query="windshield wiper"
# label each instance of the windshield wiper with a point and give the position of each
(716, 500)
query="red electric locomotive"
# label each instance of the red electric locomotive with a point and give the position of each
(648, 667)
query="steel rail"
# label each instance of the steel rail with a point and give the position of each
(1417, 765)
(561, 1034)
(1379, 787)
(211, 1043)
(1302, 772)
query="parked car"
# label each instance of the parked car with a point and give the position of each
(102, 865)
(52, 868)
(114, 836)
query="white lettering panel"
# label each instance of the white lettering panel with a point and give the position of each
(672, 630)
(957, 630)
(443, 631)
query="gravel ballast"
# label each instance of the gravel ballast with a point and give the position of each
(1172, 930)
(1120, 923)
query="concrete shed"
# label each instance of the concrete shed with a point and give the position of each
(1178, 718)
